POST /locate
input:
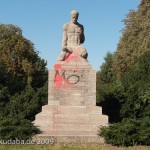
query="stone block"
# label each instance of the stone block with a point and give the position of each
(71, 109)
(53, 102)
(94, 110)
(64, 109)
(72, 118)
(68, 127)
(44, 118)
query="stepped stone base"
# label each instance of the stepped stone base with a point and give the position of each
(70, 120)
(71, 114)
(70, 123)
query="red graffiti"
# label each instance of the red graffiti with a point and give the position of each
(60, 78)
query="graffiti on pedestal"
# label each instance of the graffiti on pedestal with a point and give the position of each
(62, 78)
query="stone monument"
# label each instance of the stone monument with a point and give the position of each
(71, 113)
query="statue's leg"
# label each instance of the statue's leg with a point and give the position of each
(62, 56)
(81, 51)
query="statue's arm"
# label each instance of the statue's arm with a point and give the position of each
(64, 38)
(82, 37)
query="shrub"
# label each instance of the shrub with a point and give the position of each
(16, 127)
(129, 132)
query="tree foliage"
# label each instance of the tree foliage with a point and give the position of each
(129, 132)
(28, 102)
(135, 40)
(132, 55)
(16, 128)
(137, 89)
(23, 84)
(20, 57)
(123, 83)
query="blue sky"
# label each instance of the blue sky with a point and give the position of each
(41, 22)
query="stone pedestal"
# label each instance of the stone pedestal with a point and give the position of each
(71, 109)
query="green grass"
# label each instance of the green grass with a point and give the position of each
(71, 146)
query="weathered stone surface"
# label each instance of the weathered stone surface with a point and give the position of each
(72, 84)
(64, 109)
(71, 109)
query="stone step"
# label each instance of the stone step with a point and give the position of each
(80, 118)
(64, 109)
(48, 119)
(43, 118)
(71, 109)
(68, 133)
(53, 102)
(94, 110)
(72, 100)
(69, 127)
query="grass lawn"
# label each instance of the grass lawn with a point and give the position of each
(71, 146)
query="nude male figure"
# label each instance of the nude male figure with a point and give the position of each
(73, 37)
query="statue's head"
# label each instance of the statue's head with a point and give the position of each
(74, 16)
(74, 12)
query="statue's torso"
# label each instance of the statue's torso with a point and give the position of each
(73, 34)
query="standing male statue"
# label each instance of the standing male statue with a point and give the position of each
(73, 37)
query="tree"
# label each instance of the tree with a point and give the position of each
(136, 83)
(20, 58)
(105, 76)
(122, 76)
(28, 102)
(23, 84)
(129, 87)
(108, 90)
(16, 128)
(129, 132)
(135, 40)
